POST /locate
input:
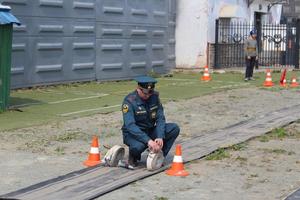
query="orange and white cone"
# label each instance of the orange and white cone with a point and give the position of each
(177, 168)
(294, 82)
(94, 154)
(268, 82)
(206, 76)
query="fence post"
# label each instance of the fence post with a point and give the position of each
(258, 39)
(216, 44)
(297, 46)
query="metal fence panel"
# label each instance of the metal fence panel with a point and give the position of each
(111, 11)
(111, 59)
(172, 7)
(20, 7)
(83, 59)
(20, 49)
(171, 40)
(83, 9)
(276, 44)
(49, 61)
(139, 59)
(64, 41)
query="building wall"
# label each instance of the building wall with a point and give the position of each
(215, 6)
(77, 40)
(272, 16)
(196, 28)
(191, 33)
(292, 9)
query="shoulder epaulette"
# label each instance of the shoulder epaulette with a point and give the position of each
(131, 97)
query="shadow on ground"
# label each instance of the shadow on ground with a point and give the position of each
(18, 102)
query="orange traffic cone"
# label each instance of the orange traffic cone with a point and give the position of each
(206, 76)
(294, 82)
(268, 82)
(177, 168)
(94, 154)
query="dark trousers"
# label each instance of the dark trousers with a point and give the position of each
(136, 148)
(250, 63)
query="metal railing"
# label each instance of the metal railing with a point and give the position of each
(278, 44)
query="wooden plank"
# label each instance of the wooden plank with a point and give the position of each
(294, 196)
(94, 182)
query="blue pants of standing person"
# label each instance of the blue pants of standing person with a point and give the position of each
(136, 148)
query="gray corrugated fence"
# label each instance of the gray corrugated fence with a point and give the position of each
(76, 40)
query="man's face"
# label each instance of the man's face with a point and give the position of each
(146, 91)
(254, 36)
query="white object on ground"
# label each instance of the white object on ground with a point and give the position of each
(114, 155)
(155, 160)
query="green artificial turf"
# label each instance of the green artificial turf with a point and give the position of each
(55, 103)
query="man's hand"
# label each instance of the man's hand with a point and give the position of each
(153, 146)
(160, 142)
(248, 57)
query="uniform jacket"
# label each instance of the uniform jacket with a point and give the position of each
(142, 117)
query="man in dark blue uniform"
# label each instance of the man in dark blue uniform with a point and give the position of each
(144, 122)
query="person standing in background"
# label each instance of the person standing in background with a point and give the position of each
(251, 53)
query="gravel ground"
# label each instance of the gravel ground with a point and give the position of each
(31, 155)
(260, 170)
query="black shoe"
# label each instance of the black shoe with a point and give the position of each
(132, 161)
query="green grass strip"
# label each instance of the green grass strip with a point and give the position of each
(56, 103)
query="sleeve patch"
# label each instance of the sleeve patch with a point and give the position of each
(125, 108)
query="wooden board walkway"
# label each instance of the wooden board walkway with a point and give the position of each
(294, 196)
(94, 182)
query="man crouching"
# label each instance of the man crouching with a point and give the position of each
(144, 123)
